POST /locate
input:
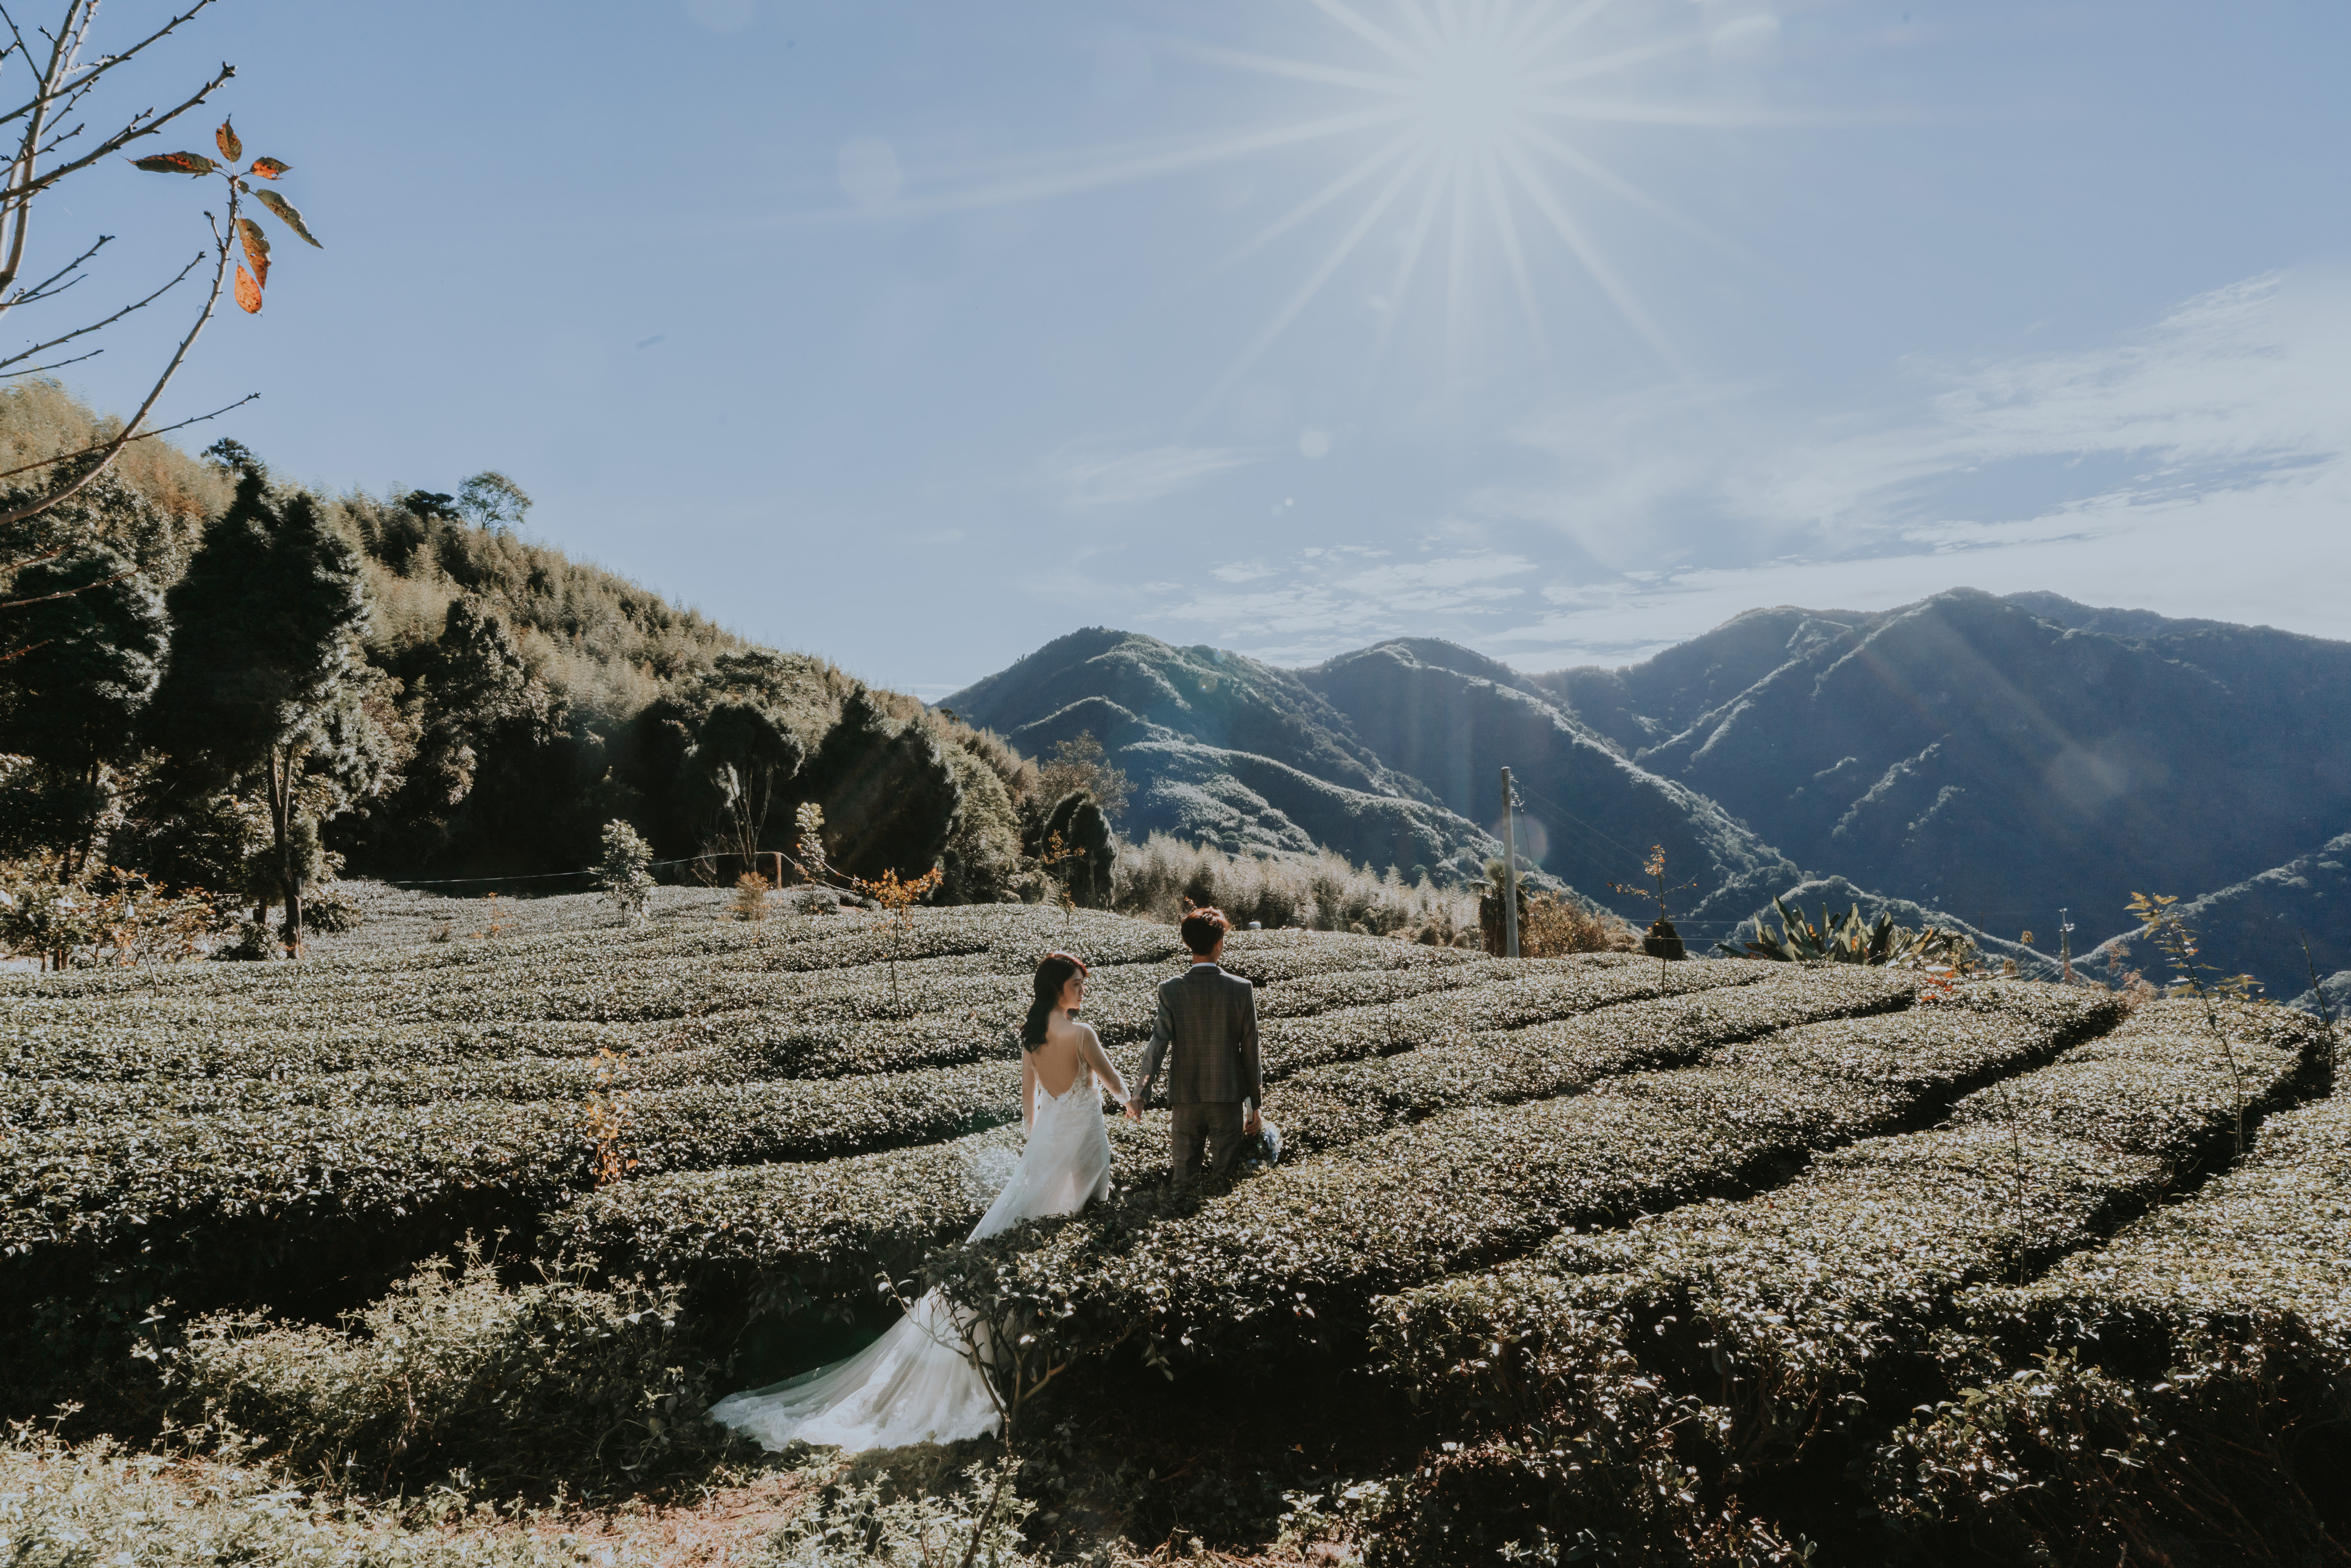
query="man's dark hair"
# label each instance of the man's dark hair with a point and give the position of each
(1203, 928)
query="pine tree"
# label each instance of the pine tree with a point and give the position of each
(79, 660)
(888, 794)
(264, 679)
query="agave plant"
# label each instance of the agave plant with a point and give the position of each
(1850, 940)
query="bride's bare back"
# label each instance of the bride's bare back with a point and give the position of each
(1070, 1050)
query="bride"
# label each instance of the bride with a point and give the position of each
(916, 1383)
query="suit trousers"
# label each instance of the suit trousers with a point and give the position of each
(1217, 1123)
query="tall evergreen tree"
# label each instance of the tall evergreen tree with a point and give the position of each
(80, 658)
(264, 677)
(888, 794)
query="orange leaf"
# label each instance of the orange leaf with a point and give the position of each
(248, 292)
(268, 168)
(257, 249)
(175, 163)
(231, 148)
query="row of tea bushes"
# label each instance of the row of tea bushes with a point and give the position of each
(447, 1063)
(99, 1502)
(312, 1184)
(805, 1021)
(754, 1239)
(516, 1386)
(623, 983)
(2190, 1383)
(830, 1021)
(1557, 989)
(1294, 1259)
(227, 1207)
(783, 1235)
(1783, 1327)
(1328, 1106)
(821, 1024)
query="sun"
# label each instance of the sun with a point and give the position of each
(1468, 100)
(1465, 111)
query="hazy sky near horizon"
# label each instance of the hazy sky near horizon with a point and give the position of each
(918, 334)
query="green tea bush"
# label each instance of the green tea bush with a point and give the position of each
(1327, 1106)
(2185, 1388)
(785, 1235)
(454, 1377)
(98, 1503)
(1294, 1259)
(1788, 1323)
(217, 1209)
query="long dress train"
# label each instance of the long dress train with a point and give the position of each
(916, 1384)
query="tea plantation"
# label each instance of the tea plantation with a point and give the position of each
(1591, 1259)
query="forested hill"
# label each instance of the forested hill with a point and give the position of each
(226, 670)
(1984, 761)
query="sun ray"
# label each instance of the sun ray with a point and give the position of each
(1297, 70)
(1322, 275)
(1537, 47)
(1498, 201)
(1456, 277)
(1328, 193)
(1710, 116)
(1600, 65)
(1547, 202)
(1410, 262)
(1471, 98)
(1512, 35)
(1541, 141)
(1043, 187)
(1418, 20)
(1379, 37)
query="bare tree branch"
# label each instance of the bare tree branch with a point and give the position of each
(96, 325)
(40, 290)
(117, 142)
(52, 365)
(65, 593)
(34, 560)
(142, 436)
(105, 63)
(107, 453)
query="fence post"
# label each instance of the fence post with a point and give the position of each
(1510, 869)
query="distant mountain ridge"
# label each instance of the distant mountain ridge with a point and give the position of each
(1984, 760)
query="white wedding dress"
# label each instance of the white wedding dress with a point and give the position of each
(915, 1384)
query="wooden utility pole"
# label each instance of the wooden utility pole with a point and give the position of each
(1510, 869)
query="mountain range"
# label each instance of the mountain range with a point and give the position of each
(1983, 762)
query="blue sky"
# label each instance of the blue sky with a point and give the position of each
(917, 334)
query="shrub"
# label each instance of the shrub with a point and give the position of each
(100, 1503)
(2190, 1383)
(1324, 892)
(1804, 1311)
(782, 1236)
(455, 1374)
(751, 892)
(626, 873)
(1292, 1260)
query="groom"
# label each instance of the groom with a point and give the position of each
(1207, 1033)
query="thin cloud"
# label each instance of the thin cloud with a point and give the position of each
(1087, 478)
(2136, 473)
(1324, 599)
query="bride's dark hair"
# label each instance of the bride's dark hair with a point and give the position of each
(1054, 973)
